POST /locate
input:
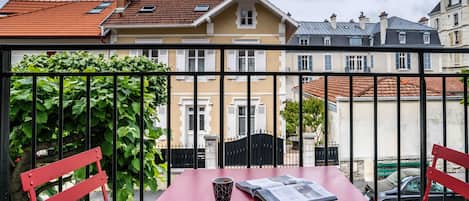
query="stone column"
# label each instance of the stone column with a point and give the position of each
(211, 151)
(308, 149)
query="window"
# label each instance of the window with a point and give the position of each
(426, 38)
(402, 37)
(98, 9)
(303, 41)
(457, 37)
(201, 8)
(403, 61)
(437, 23)
(327, 41)
(246, 61)
(201, 118)
(196, 60)
(427, 61)
(242, 120)
(355, 63)
(246, 17)
(454, 2)
(355, 41)
(327, 62)
(413, 186)
(305, 63)
(456, 19)
(147, 9)
(372, 61)
(152, 54)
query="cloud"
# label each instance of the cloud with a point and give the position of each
(318, 10)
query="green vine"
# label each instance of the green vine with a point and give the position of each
(74, 115)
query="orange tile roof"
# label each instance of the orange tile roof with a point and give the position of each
(167, 12)
(36, 18)
(387, 87)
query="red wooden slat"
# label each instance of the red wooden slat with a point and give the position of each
(80, 190)
(451, 155)
(42, 175)
(448, 181)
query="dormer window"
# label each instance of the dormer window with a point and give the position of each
(201, 8)
(402, 37)
(303, 41)
(426, 38)
(355, 41)
(246, 17)
(147, 9)
(327, 41)
(454, 2)
(98, 9)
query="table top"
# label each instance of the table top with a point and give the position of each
(197, 184)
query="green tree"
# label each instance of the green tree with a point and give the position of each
(313, 115)
(74, 107)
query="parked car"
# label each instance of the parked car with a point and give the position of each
(410, 188)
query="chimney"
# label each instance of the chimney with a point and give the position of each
(443, 5)
(423, 21)
(334, 21)
(383, 26)
(363, 20)
(121, 3)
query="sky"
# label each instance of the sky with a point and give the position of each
(318, 10)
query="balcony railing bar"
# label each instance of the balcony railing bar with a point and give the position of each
(351, 127)
(375, 133)
(142, 135)
(466, 131)
(88, 122)
(275, 121)
(195, 127)
(398, 80)
(221, 144)
(423, 123)
(300, 124)
(61, 125)
(326, 120)
(168, 130)
(34, 125)
(248, 117)
(202, 74)
(9, 47)
(114, 138)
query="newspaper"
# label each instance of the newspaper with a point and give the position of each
(285, 188)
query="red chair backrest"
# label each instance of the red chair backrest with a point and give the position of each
(433, 174)
(39, 176)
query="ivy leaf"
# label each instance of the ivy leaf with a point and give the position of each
(136, 164)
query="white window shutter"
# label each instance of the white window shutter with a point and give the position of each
(231, 119)
(232, 62)
(161, 123)
(210, 61)
(163, 56)
(260, 117)
(180, 62)
(134, 53)
(260, 62)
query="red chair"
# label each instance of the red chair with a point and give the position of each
(433, 174)
(39, 176)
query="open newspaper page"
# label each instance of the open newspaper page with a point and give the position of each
(251, 186)
(296, 192)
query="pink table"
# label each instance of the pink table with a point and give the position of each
(196, 184)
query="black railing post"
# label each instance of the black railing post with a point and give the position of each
(300, 122)
(168, 130)
(5, 61)
(351, 126)
(61, 125)
(398, 82)
(195, 127)
(275, 162)
(221, 144)
(445, 163)
(375, 135)
(423, 124)
(142, 136)
(34, 124)
(115, 120)
(326, 120)
(466, 130)
(248, 129)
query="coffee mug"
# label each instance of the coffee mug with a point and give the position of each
(222, 188)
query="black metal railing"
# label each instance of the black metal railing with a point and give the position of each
(6, 74)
